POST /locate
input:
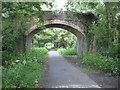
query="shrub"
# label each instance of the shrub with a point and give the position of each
(67, 51)
(103, 63)
(24, 70)
(40, 50)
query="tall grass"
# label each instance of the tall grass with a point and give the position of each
(67, 51)
(106, 64)
(40, 51)
(25, 69)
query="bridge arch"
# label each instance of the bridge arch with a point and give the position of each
(56, 23)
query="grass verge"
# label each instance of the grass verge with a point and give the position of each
(105, 64)
(67, 51)
(24, 70)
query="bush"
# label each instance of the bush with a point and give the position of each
(103, 63)
(40, 50)
(67, 51)
(25, 69)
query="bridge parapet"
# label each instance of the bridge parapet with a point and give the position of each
(69, 17)
(50, 17)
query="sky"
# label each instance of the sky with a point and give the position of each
(59, 4)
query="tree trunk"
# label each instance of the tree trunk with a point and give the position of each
(108, 23)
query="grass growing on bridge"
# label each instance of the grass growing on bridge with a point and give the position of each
(25, 69)
(105, 64)
(67, 51)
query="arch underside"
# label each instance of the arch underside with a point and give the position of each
(76, 30)
(68, 28)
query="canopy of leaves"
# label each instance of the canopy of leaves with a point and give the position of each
(14, 18)
(101, 33)
(57, 36)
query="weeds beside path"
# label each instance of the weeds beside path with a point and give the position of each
(24, 70)
(104, 80)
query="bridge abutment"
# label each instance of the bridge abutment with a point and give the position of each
(21, 44)
(25, 44)
(81, 45)
(28, 43)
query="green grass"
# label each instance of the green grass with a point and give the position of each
(103, 63)
(25, 69)
(67, 51)
(40, 50)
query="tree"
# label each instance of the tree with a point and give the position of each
(102, 34)
(59, 37)
(15, 15)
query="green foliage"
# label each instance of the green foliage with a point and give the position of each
(103, 27)
(14, 18)
(16, 9)
(12, 31)
(103, 63)
(58, 37)
(24, 70)
(67, 51)
(40, 50)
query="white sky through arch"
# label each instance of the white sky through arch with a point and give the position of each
(60, 4)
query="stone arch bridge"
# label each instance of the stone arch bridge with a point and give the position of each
(64, 20)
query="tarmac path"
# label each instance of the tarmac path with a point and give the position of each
(62, 74)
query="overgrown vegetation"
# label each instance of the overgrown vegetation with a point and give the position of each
(102, 34)
(14, 18)
(20, 69)
(103, 63)
(24, 70)
(57, 36)
(101, 25)
(67, 51)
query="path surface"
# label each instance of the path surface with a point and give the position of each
(62, 74)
